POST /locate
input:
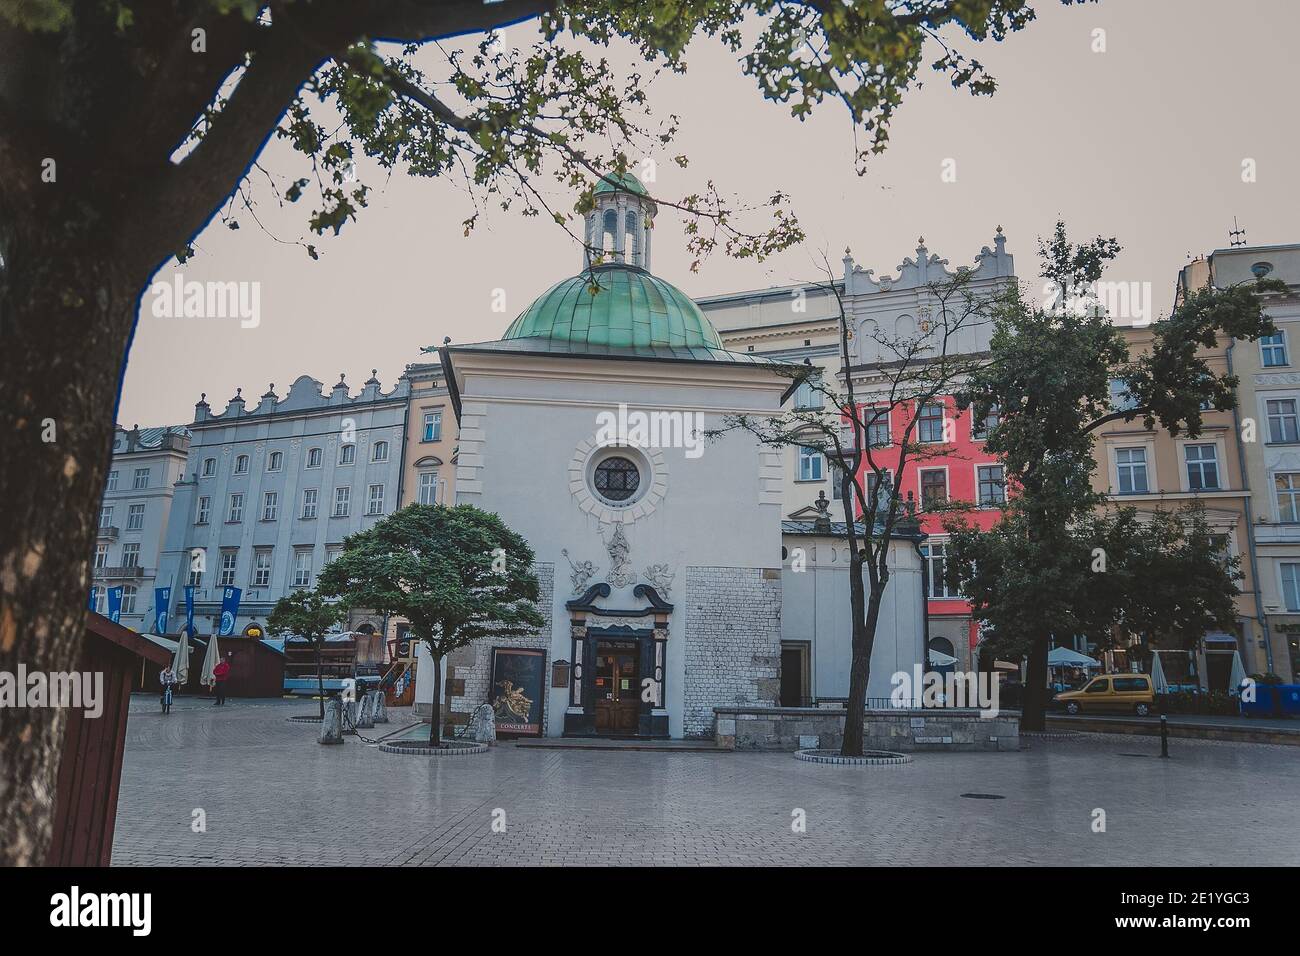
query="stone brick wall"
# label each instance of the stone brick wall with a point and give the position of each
(733, 642)
(803, 728)
(474, 663)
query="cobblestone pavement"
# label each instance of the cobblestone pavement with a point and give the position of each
(272, 795)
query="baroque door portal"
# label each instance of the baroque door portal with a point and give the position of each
(617, 687)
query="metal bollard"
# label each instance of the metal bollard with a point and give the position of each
(1164, 736)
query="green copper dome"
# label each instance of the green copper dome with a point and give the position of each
(619, 306)
(625, 181)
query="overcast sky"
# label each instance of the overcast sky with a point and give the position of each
(1144, 142)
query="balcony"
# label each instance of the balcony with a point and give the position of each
(120, 573)
(108, 531)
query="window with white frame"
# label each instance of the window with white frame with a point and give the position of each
(229, 565)
(106, 516)
(135, 518)
(432, 426)
(934, 487)
(99, 600)
(236, 510)
(1283, 421)
(347, 454)
(1120, 398)
(1287, 484)
(275, 461)
(837, 482)
(262, 567)
(196, 574)
(877, 427)
(810, 464)
(129, 594)
(241, 465)
(302, 568)
(808, 395)
(1272, 350)
(375, 500)
(310, 499)
(131, 555)
(980, 428)
(270, 505)
(112, 481)
(342, 502)
(209, 467)
(1202, 467)
(936, 556)
(379, 452)
(205, 510)
(880, 489)
(332, 552)
(101, 555)
(313, 457)
(428, 488)
(1131, 470)
(992, 485)
(1291, 585)
(141, 479)
(929, 423)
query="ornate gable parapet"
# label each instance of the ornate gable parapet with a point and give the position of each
(928, 268)
(306, 394)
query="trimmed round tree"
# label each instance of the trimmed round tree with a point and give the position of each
(307, 614)
(455, 575)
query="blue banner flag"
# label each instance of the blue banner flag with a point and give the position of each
(115, 604)
(229, 609)
(92, 598)
(162, 602)
(189, 610)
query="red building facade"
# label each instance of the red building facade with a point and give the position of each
(951, 470)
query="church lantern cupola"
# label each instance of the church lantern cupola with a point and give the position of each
(618, 227)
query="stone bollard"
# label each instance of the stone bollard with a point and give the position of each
(331, 729)
(485, 725)
(350, 713)
(366, 713)
(381, 707)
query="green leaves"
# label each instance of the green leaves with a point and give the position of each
(456, 574)
(306, 614)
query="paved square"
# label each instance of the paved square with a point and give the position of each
(272, 795)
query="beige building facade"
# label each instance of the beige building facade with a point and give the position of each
(1152, 470)
(429, 454)
(1268, 422)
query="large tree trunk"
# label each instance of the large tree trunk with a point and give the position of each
(864, 640)
(66, 313)
(435, 726)
(1033, 715)
(320, 678)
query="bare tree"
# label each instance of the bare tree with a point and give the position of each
(911, 373)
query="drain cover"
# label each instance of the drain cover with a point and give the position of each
(983, 796)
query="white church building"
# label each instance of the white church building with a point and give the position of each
(666, 572)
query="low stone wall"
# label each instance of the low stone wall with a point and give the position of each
(801, 728)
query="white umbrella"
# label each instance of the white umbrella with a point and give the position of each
(940, 659)
(1064, 657)
(1238, 674)
(210, 659)
(181, 662)
(1158, 681)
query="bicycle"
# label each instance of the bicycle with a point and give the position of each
(167, 699)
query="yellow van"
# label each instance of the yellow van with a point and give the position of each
(1129, 692)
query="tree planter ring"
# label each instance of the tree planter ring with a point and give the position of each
(448, 749)
(304, 719)
(870, 758)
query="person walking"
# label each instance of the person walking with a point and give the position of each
(219, 675)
